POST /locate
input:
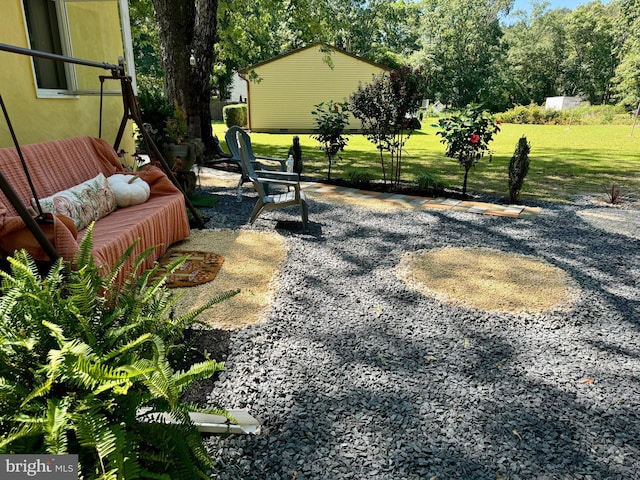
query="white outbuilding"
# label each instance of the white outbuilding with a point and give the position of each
(562, 103)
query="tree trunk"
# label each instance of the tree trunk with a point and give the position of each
(187, 27)
(464, 184)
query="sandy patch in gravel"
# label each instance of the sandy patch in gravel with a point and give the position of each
(488, 280)
(252, 261)
(364, 201)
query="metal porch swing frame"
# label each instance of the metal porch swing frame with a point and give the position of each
(131, 111)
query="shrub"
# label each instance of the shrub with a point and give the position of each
(163, 122)
(582, 115)
(235, 115)
(80, 357)
(518, 168)
(360, 178)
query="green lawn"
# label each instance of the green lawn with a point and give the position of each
(564, 161)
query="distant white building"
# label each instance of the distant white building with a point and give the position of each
(239, 90)
(562, 103)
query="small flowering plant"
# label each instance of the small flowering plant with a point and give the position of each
(467, 135)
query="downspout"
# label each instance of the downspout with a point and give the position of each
(127, 43)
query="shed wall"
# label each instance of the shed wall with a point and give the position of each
(292, 85)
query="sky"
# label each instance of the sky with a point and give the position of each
(553, 4)
(570, 4)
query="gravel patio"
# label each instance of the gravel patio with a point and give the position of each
(355, 375)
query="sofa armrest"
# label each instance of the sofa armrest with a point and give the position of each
(15, 235)
(159, 183)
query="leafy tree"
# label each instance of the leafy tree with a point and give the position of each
(461, 47)
(467, 135)
(331, 118)
(385, 107)
(144, 34)
(590, 58)
(536, 55)
(627, 80)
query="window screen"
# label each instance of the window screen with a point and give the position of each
(44, 35)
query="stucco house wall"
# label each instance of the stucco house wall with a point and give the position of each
(289, 86)
(90, 30)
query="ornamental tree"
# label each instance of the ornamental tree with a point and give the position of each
(331, 118)
(385, 107)
(467, 135)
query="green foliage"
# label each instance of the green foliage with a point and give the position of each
(80, 356)
(331, 118)
(385, 107)
(467, 135)
(530, 114)
(463, 51)
(472, 50)
(627, 81)
(235, 115)
(360, 178)
(582, 115)
(431, 183)
(144, 34)
(164, 123)
(518, 168)
(589, 65)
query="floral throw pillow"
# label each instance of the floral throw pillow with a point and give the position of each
(83, 203)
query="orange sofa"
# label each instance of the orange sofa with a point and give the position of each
(62, 164)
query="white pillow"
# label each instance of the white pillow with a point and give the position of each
(83, 203)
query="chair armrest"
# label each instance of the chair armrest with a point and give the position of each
(272, 181)
(292, 177)
(282, 161)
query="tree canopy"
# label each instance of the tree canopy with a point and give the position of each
(473, 50)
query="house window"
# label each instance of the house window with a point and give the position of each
(43, 25)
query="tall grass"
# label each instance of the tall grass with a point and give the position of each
(565, 160)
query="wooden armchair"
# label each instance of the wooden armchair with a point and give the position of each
(262, 179)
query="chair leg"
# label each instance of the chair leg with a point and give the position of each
(239, 189)
(304, 212)
(257, 210)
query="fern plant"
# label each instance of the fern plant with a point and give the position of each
(80, 357)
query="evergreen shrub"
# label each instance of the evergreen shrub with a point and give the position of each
(518, 168)
(235, 115)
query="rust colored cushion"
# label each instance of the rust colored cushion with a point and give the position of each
(24, 239)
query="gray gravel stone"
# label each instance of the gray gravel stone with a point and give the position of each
(354, 375)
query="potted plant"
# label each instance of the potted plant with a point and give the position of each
(165, 124)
